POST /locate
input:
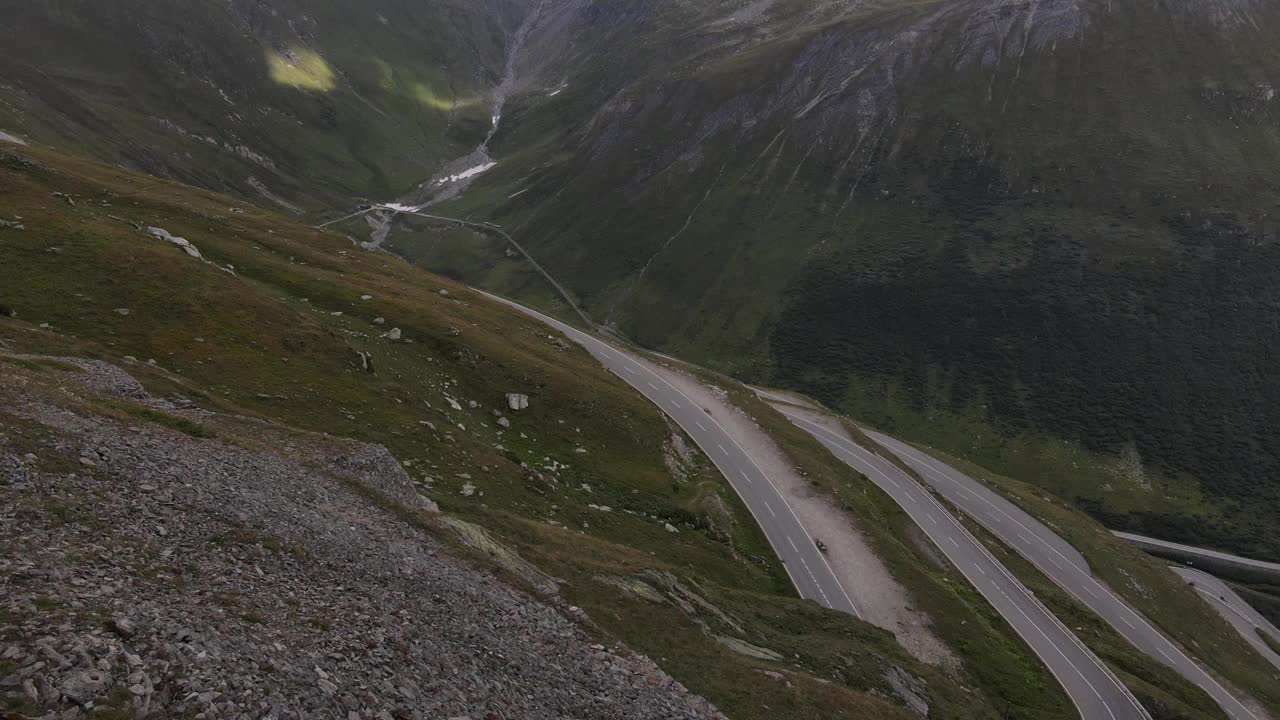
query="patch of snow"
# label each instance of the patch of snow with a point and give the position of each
(397, 207)
(6, 137)
(466, 174)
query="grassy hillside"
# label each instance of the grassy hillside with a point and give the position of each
(320, 102)
(269, 324)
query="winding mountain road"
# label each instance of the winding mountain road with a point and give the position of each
(812, 577)
(1247, 621)
(1096, 692)
(1062, 563)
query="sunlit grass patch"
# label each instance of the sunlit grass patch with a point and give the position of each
(428, 97)
(301, 68)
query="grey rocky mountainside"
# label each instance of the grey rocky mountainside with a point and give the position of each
(146, 572)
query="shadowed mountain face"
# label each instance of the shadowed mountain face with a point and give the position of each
(972, 221)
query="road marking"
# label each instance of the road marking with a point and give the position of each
(1165, 654)
(793, 544)
(765, 475)
(655, 387)
(822, 592)
(1040, 609)
(1054, 560)
(1126, 622)
(932, 519)
(745, 476)
(1024, 538)
(953, 542)
(871, 465)
(770, 508)
(701, 427)
(726, 452)
(984, 572)
(631, 370)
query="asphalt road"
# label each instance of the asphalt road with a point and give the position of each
(1092, 687)
(1095, 690)
(1150, 543)
(1247, 621)
(812, 577)
(1058, 560)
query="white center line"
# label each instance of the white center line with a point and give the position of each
(631, 370)
(932, 519)
(953, 541)
(726, 452)
(793, 544)
(770, 508)
(816, 584)
(984, 572)
(701, 427)
(745, 477)
(655, 387)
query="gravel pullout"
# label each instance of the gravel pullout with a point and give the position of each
(881, 600)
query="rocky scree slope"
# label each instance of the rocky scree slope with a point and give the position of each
(150, 573)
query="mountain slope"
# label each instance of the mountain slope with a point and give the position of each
(1037, 233)
(264, 344)
(1050, 223)
(303, 105)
